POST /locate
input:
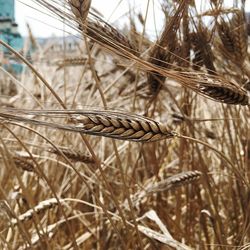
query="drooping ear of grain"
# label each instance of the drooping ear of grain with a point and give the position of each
(216, 88)
(169, 183)
(71, 61)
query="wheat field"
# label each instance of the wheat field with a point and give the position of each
(129, 142)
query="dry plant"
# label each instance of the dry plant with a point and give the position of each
(126, 141)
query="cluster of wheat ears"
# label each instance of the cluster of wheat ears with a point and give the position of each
(129, 143)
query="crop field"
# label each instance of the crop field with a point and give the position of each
(124, 140)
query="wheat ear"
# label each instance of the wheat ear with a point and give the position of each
(98, 29)
(71, 61)
(202, 50)
(73, 155)
(42, 206)
(113, 124)
(233, 35)
(80, 9)
(102, 32)
(162, 52)
(217, 88)
(177, 180)
(225, 94)
(122, 126)
(23, 163)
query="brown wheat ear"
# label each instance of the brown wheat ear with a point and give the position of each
(121, 126)
(203, 54)
(107, 35)
(225, 94)
(73, 155)
(176, 181)
(72, 61)
(233, 35)
(23, 163)
(99, 30)
(162, 53)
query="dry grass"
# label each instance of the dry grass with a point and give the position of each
(94, 156)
